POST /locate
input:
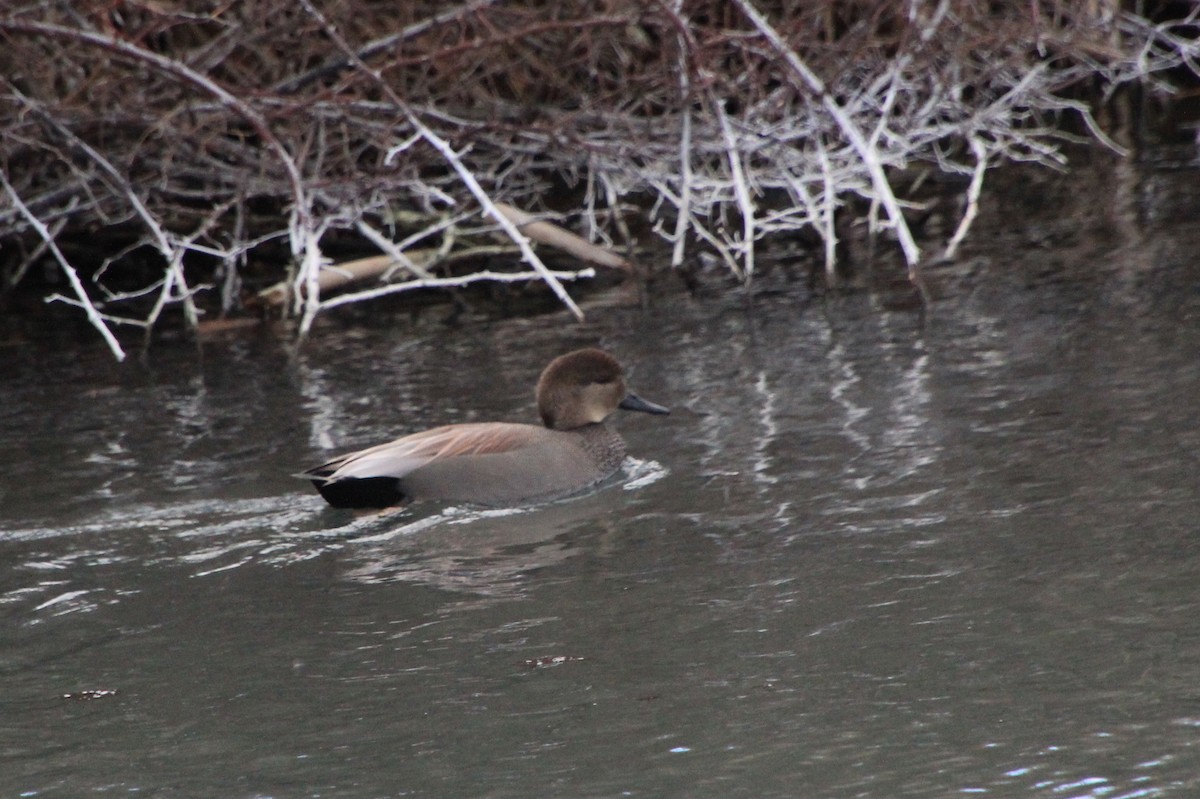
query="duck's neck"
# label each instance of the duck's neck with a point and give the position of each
(603, 444)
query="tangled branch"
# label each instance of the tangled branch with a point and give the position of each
(259, 137)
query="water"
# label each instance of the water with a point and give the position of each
(872, 553)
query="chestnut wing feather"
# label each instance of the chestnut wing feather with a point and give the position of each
(400, 457)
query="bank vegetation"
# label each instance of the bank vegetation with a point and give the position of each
(162, 159)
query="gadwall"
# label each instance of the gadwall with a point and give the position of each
(499, 463)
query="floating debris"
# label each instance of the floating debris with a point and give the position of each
(90, 693)
(553, 660)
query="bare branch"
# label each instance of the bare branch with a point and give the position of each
(82, 300)
(212, 137)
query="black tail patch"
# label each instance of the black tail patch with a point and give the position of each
(362, 492)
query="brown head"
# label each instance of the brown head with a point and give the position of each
(584, 387)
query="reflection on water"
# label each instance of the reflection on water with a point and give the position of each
(871, 553)
(454, 548)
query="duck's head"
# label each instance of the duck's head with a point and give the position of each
(584, 387)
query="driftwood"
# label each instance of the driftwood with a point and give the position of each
(552, 235)
(334, 277)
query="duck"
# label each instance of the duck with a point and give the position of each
(499, 464)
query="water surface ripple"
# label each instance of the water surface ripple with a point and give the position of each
(872, 553)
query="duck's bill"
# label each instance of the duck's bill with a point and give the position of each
(633, 402)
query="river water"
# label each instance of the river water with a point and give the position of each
(874, 552)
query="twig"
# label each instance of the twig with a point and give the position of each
(828, 214)
(973, 191)
(395, 252)
(468, 179)
(83, 301)
(870, 157)
(382, 44)
(454, 282)
(177, 69)
(741, 190)
(456, 163)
